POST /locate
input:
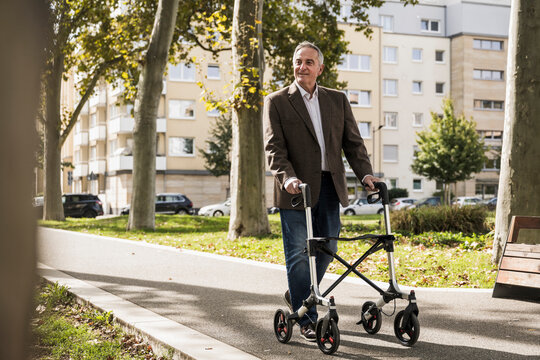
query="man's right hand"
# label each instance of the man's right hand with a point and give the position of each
(293, 187)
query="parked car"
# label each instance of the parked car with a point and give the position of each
(216, 209)
(401, 203)
(466, 201)
(429, 201)
(169, 203)
(361, 207)
(491, 204)
(75, 205)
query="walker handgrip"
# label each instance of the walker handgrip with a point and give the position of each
(383, 191)
(306, 194)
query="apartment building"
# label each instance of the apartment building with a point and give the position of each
(479, 41)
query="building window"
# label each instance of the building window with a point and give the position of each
(387, 23)
(93, 120)
(93, 153)
(180, 146)
(77, 156)
(393, 182)
(417, 54)
(417, 87)
(439, 56)
(418, 119)
(429, 25)
(114, 111)
(489, 105)
(353, 62)
(213, 72)
(359, 97)
(390, 153)
(391, 120)
(182, 72)
(495, 45)
(439, 88)
(365, 129)
(417, 184)
(390, 54)
(390, 87)
(182, 109)
(113, 145)
(496, 75)
(491, 135)
(492, 164)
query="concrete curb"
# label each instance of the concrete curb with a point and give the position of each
(168, 338)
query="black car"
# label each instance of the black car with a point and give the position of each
(430, 201)
(76, 205)
(170, 204)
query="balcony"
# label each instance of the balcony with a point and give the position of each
(98, 99)
(125, 162)
(97, 166)
(161, 125)
(121, 125)
(98, 133)
(80, 139)
(81, 169)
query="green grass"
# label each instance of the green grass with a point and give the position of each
(64, 329)
(419, 261)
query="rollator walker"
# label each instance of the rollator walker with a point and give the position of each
(406, 325)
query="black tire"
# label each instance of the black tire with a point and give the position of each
(407, 334)
(380, 211)
(182, 212)
(89, 214)
(218, 213)
(283, 327)
(328, 341)
(350, 212)
(373, 325)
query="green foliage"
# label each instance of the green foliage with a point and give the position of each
(55, 294)
(465, 219)
(397, 192)
(218, 147)
(451, 150)
(471, 242)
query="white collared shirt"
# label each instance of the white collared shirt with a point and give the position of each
(312, 105)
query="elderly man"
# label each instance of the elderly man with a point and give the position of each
(306, 127)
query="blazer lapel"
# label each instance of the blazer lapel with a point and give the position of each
(326, 114)
(295, 97)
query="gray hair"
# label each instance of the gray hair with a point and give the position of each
(305, 44)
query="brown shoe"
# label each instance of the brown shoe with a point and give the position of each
(287, 298)
(308, 332)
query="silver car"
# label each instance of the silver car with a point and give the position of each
(401, 203)
(361, 207)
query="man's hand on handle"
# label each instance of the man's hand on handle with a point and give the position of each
(293, 187)
(368, 182)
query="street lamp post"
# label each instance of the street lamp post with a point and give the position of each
(373, 141)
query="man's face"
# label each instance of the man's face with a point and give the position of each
(307, 68)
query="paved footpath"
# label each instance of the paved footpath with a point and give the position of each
(206, 306)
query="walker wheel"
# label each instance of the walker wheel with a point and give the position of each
(282, 326)
(373, 325)
(327, 339)
(407, 333)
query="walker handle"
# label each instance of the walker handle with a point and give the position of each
(382, 193)
(306, 194)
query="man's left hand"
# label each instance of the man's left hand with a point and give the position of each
(368, 182)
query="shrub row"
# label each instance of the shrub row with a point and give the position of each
(465, 219)
(472, 242)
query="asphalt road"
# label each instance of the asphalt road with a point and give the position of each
(234, 302)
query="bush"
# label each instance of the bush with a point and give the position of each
(472, 242)
(397, 192)
(466, 219)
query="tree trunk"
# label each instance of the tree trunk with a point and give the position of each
(520, 168)
(141, 215)
(248, 204)
(23, 37)
(52, 202)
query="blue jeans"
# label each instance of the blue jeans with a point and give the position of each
(326, 223)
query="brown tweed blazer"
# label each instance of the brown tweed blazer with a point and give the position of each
(291, 144)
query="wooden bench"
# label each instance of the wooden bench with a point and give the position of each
(519, 269)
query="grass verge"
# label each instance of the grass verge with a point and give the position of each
(429, 259)
(64, 329)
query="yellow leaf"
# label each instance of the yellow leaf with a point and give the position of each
(125, 75)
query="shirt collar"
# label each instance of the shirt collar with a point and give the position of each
(304, 92)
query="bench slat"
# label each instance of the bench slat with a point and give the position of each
(523, 247)
(518, 278)
(520, 264)
(522, 254)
